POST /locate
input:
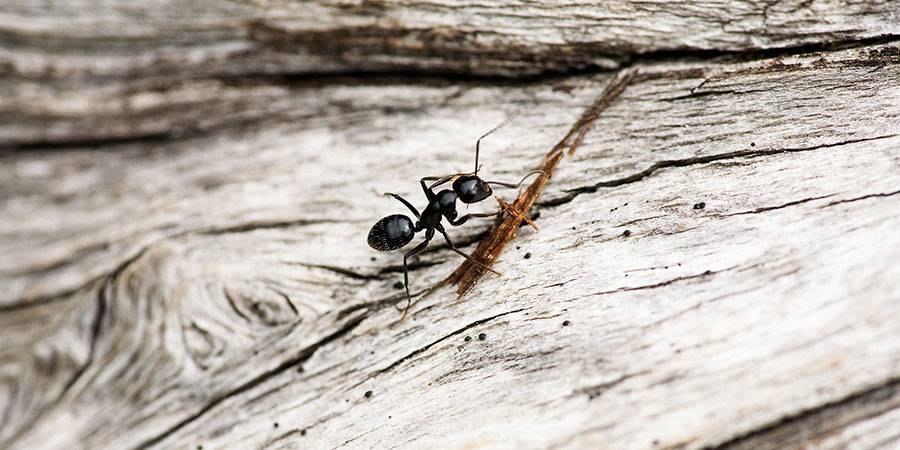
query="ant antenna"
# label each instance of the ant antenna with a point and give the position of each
(515, 186)
(478, 142)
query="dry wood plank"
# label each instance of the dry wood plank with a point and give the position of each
(198, 291)
(89, 72)
(163, 37)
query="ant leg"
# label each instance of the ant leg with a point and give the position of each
(437, 182)
(406, 203)
(429, 192)
(418, 249)
(440, 180)
(466, 217)
(510, 185)
(461, 253)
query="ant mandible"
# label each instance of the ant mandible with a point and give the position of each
(397, 230)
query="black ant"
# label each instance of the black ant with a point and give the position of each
(395, 231)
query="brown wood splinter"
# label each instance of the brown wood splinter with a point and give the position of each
(512, 211)
(467, 274)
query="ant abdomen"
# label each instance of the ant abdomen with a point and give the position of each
(391, 233)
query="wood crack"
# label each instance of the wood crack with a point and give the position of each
(864, 197)
(425, 348)
(656, 285)
(552, 67)
(772, 208)
(694, 95)
(802, 427)
(633, 178)
(370, 276)
(258, 225)
(546, 73)
(95, 144)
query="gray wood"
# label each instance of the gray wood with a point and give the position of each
(83, 71)
(184, 259)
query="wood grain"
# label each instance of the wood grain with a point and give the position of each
(184, 259)
(88, 72)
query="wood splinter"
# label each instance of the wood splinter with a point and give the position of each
(468, 273)
(513, 212)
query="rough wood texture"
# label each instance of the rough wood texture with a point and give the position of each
(161, 68)
(183, 237)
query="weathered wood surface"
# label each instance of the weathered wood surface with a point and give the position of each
(161, 68)
(184, 259)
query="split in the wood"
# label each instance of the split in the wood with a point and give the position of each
(705, 159)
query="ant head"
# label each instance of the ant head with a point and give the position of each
(447, 201)
(391, 233)
(471, 189)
